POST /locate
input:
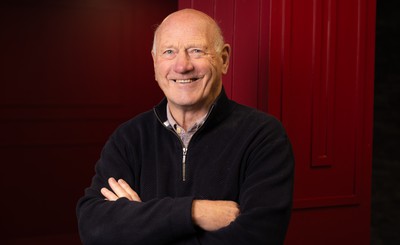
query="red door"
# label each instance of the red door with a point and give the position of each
(70, 72)
(310, 63)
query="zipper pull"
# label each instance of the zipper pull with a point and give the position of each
(184, 151)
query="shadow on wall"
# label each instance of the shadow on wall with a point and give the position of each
(386, 163)
(70, 72)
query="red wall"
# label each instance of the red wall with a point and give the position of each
(71, 71)
(310, 63)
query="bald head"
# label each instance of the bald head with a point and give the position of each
(191, 18)
(190, 57)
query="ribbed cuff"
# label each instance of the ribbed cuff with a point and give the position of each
(181, 217)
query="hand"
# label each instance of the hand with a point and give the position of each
(214, 215)
(119, 189)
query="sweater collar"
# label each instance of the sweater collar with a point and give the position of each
(222, 107)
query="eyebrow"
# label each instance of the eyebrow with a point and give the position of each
(171, 46)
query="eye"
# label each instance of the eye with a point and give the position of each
(196, 52)
(168, 52)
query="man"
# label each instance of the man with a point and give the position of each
(199, 168)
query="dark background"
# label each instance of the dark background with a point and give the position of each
(386, 163)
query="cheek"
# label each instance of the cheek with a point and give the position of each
(160, 70)
(214, 65)
(206, 68)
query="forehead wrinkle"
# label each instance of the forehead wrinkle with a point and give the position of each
(186, 43)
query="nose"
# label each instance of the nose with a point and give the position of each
(183, 64)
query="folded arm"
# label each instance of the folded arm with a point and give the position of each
(265, 198)
(105, 218)
(210, 215)
(108, 216)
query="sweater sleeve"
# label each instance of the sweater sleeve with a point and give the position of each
(156, 221)
(265, 195)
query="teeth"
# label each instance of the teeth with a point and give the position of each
(184, 81)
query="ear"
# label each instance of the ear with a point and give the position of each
(153, 55)
(225, 54)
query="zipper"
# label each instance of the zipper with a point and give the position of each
(184, 149)
(184, 152)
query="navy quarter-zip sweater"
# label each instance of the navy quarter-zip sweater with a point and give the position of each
(239, 154)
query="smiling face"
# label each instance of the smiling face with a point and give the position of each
(189, 60)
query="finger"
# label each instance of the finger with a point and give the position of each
(233, 208)
(133, 194)
(109, 195)
(117, 189)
